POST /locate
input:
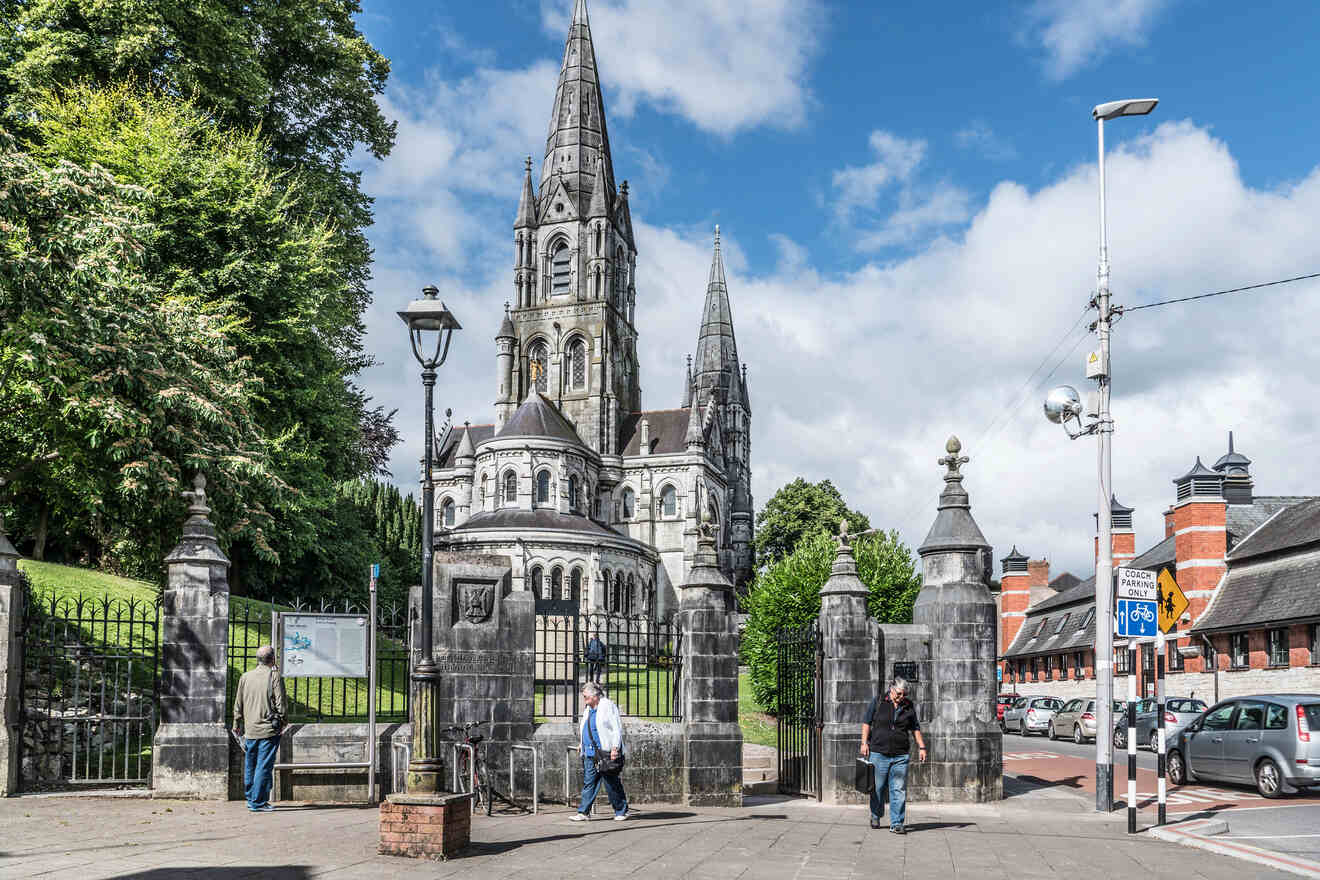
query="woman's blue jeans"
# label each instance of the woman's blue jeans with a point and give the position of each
(591, 781)
(890, 773)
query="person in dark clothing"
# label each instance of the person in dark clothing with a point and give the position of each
(890, 720)
(595, 657)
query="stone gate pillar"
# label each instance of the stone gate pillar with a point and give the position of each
(708, 685)
(848, 674)
(966, 748)
(11, 663)
(191, 745)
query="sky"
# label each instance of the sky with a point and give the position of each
(908, 205)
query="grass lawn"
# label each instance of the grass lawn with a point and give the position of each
(757, 727)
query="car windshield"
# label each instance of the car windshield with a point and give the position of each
(1047, 704)
(1185, 706)
(1003, 701)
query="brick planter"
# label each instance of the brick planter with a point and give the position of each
(425, 826)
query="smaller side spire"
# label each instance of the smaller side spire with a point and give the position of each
(695, 437)
(687, 384)
(527, 201)
(600, 206)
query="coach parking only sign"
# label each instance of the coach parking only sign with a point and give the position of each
(1136, 610)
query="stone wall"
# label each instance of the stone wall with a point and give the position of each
(653, 773)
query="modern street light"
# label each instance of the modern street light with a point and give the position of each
(426, 316)
(1062, 406)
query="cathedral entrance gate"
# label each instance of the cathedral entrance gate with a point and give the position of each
(798, 676)
(559, 665)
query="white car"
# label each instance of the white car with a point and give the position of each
(1030, 714)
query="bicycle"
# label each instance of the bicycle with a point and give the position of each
(478, 774)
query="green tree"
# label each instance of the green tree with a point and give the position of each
(120, 388)
(787, 594)
(799, 510)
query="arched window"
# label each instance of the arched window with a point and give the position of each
(543, 487)
(668, 501)
(628, 502)
(537, 584)
(481, 491)
(561, 271)
(575, 584)
(510, 488)
(573, 488)
(447, 513)
(628, 596)
(577, 356)
(557, 583)
(538, 366)
(620, 277)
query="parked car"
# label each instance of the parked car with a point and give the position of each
(1002, 702)
(1178, 713)
(1030, 714)
(1269, 740)
(1076, 719)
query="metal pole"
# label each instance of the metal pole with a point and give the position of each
(372, 745)
(1104, 563)
(1132, 740)
(425, 767)
(1161, 768)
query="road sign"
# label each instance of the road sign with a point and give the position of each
(1135, 583)
(1172, 601)
(1136, 618)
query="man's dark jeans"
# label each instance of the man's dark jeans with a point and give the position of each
(259, 770)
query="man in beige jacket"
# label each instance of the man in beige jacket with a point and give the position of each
(260, 707)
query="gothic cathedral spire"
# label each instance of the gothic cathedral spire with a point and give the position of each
(578, 139)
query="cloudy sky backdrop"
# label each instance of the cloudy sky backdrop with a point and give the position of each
(908, 202)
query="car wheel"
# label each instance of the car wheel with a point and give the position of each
(1269, 779)
(1177, 769)
(1022, 728)
(1003, 728)
(1154, 740)
(1078, 736)
(1053, 735)
(1120, 738)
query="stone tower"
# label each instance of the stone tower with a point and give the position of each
(574, 295)
(720, 381)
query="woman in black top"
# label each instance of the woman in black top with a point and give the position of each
(885, 732)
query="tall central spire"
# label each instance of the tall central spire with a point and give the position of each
(717, 351)
(578, 139)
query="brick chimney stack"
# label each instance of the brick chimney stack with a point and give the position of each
(1122, 539)
(1200, 528)
(1038, 580)
(1014, 597)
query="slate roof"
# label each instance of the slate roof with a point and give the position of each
(538, 417)
(1065, 581)
(540, 518)
(1074, 637)
(1245, 519)
(444, 458)
(1265, 591)
(668, 427)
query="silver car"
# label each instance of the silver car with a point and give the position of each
(1178, 713)
(1077, 720)
(1269, 740)
(1030, 714)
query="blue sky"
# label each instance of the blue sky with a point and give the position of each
(909, 204)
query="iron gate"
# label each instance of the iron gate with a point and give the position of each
(558, 663)
(89, 693)
(798, 676)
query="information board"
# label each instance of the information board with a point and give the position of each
(324, 645)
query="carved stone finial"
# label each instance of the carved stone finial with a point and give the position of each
(197, 496)
(953, 460)
(528, 165)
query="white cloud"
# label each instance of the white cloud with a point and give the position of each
(725, 67)
(896, 158)
(939, 207)
(979, 136)
(1075, 33)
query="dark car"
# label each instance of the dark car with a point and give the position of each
(1269, 740)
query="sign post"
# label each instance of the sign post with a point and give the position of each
(1172, 605)
(1137, 616)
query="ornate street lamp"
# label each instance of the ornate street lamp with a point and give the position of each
(424, 317)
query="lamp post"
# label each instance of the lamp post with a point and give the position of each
(423, 317)
(1063, 404)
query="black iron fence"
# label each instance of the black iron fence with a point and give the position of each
(636, 659)
(326, 699)
(89, 692)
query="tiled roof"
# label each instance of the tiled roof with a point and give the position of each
(1266, 590)
(1297, 522)
(1065, 581)
(538, 417)
(540, 518)
(1074, 637)
(667, 427)
(445, 457)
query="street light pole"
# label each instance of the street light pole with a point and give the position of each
(424, 767)
(1104, 562)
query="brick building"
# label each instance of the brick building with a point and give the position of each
(1249, 565)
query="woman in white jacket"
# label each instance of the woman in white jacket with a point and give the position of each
(601, 733)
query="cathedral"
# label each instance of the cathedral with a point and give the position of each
(594, 499)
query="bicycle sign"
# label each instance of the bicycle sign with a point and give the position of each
(1136, 618)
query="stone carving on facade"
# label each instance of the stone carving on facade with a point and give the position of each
(476, 601)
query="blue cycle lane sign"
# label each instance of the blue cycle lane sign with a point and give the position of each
(1136, 609)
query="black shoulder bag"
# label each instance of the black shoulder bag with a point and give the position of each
(605, 765)
(272, 715)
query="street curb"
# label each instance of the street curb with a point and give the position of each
(1198, 833)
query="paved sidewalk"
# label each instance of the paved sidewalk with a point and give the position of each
(1036, 834)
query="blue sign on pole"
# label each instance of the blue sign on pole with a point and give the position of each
(1136, 618)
